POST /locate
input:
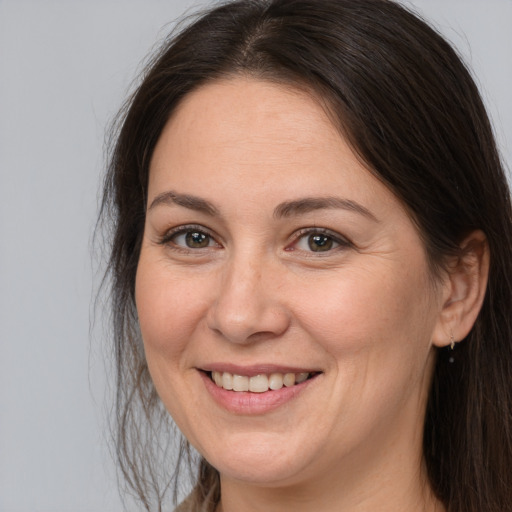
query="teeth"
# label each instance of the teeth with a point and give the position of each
(240, 383)
(218, 378)
(226, 381)
(258, 383)
(289, 380)
(301, 377)
(275, 381)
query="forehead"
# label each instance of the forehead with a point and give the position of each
(245, 127)
(247, 111)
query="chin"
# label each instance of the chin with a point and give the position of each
(260, 460)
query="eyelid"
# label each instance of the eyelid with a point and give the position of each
(166, 238)
(342, 241)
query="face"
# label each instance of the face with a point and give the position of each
(271, 255)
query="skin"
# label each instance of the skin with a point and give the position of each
(365, 313)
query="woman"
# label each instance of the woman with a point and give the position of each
(311, 266)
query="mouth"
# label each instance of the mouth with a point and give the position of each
(260, 383)
(257, 389)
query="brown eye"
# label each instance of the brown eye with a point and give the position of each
(197, 240)
(190, 238)
(320, 242)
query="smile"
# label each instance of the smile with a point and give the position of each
(258, 383)
(258, 389)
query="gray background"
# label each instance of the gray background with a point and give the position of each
(64, 68)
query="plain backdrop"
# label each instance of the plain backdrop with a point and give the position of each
(65, 67)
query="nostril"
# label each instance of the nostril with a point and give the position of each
(254, 326)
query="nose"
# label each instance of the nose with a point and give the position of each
(248, 306)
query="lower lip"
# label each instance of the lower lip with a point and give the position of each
(245, 402)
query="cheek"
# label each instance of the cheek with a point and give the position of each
(169, 310)
(370, 314)
(376, 328)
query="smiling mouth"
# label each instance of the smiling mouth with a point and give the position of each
(259, 383)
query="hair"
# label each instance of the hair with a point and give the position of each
(410, 110)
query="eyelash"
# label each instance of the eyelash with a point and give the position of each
(167, 239)
(302, 235)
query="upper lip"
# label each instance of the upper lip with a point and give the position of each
(256, 369)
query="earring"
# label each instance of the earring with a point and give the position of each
(451, 359)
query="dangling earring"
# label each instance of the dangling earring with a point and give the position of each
(451, 359)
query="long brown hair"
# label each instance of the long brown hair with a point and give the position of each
(410, 109)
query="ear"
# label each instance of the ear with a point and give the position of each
(463, 290)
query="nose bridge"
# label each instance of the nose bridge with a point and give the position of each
(248, 304)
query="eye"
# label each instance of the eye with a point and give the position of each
(193, 239)
(318, 241)
(190, 237)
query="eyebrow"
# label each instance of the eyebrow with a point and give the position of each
(286, 209)
(187, 201)
(310, 204)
